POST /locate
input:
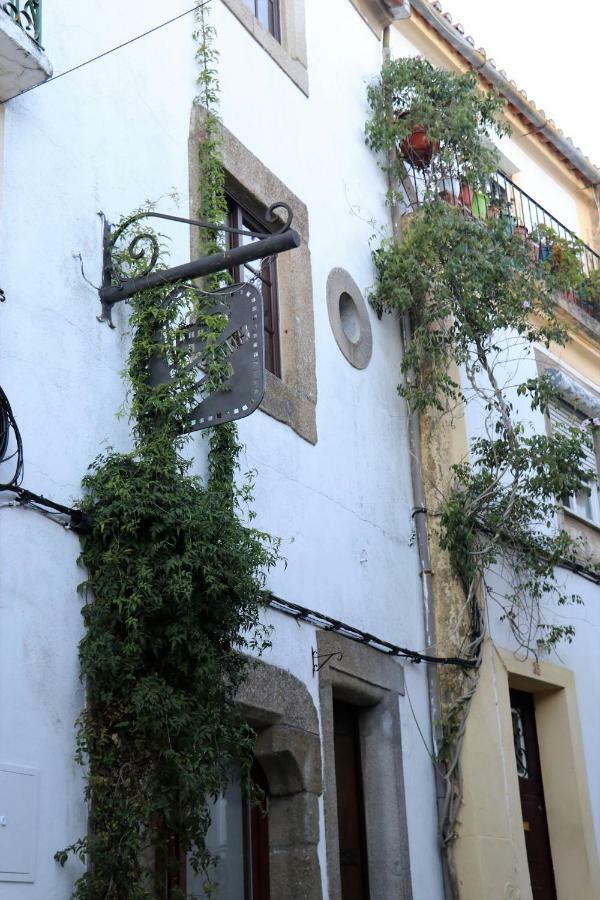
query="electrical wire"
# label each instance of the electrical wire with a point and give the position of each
(94, 59)
(8, 423)
(64, 515)
(327, 623)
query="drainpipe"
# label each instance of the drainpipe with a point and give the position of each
(422, 534)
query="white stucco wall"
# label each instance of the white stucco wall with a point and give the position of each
(107, 138)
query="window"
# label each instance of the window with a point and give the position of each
(239, 837)
(264, 275)
(267, 13)
(279, 27)
(290, 396)
(585, 503)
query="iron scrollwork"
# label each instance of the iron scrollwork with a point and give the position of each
(28, 16)
(137, 252)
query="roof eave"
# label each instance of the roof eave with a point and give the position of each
(478, 60)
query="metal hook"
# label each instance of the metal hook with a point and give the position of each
(325, 657)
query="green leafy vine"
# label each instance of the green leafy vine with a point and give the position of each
(478, 298)
(172, 597)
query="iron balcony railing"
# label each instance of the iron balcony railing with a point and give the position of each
(28, 15)
(523, 215)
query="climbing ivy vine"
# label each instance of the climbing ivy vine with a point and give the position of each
(478, 299)
(173, 590)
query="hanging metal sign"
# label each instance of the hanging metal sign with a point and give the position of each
(244, 389)
(242, 304)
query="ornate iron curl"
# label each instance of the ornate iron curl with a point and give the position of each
(270, 216)
(275, 241)
(27, 18)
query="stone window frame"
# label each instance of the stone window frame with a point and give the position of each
(288, 747)
(575, 525)
(291, 399)
(366, 678)
(290, 53)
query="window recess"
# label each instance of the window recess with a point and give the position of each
(267, 13)
(263, 274)
(584, 503)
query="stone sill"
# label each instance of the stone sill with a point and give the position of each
(23, 64)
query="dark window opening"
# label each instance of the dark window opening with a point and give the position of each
(267, 13)
(263, 274)
(350, 802)
(531, 788)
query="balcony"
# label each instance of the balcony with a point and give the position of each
(523, 215)
(23, 63)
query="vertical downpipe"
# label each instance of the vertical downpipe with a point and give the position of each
(419, 515)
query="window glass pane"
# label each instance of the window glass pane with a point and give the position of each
(262, 13)
(225, 839)
(519, 741)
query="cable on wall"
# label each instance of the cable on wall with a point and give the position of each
(67, 516)
(327, 623)
(94, 59)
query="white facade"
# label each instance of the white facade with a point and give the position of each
(107, 138)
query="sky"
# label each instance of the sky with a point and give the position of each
(551, 48)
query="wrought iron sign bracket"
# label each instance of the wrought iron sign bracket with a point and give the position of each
(263, 244)
(320, 660)
(240, 305)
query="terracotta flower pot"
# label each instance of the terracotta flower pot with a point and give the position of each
(466, 195)
(417, 148)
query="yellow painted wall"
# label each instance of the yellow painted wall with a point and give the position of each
(490, 851)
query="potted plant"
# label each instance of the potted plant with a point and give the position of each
(520, 230)
(417, 148)
(479, 205)
(589, 293)
(561, 256)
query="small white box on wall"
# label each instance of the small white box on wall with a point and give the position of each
(19, 795)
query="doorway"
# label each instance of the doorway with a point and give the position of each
(531, 789)
(350, 802)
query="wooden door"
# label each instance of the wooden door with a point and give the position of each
(256, 840)
(351, 813)
(531, 788)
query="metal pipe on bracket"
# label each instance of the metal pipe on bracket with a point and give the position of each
(206, 265)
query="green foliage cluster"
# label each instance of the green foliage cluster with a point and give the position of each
(562, 265)
(476, 293)
(465, 281)
(590, 291)
(172, 599)
(174, 588)
(456, 114)
(476, 296)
